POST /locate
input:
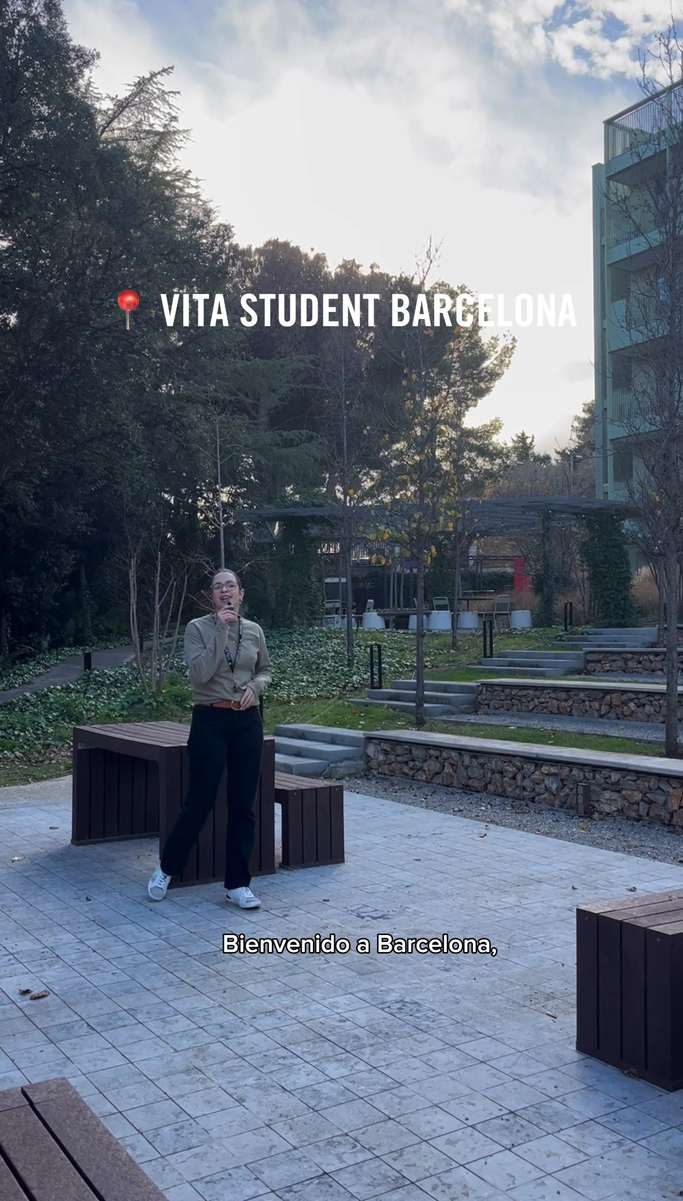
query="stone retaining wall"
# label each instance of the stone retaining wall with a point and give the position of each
(643, 661)
(619, 785)
(628, 703)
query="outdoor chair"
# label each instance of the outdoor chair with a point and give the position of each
(502, 607)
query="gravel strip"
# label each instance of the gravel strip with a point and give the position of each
(608, 833)
(639, 731)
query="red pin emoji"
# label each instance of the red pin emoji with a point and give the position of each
(128, 301)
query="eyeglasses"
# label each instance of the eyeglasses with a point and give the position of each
(230, 586)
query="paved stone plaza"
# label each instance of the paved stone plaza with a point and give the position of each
(331, 1077)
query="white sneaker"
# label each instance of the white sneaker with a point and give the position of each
(158, 884)
(243, 897)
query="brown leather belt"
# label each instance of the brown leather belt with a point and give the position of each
(222, 705)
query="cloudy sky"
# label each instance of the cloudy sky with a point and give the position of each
(361, 128)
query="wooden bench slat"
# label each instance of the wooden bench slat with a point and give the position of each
(10, 1098)
(9, 1189)
(101, 1159)
(38, 1161)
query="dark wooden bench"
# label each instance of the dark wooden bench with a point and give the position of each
(54, 1148)
(629, 985)
(312, 820)
(129, 781)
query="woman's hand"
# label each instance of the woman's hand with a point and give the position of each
(248, 698)
(225, 615)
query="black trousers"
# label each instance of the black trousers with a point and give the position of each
(219, 737)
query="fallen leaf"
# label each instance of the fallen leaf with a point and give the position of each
(574, 887)
(634, 889)
(88, 898)
(54, 827)
(417, 860)
(38, 996)
(481, 835)
(17, 859)
(24, 992)
(324, 898)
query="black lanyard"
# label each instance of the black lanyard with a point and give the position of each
(239, 643)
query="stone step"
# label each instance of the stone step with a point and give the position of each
(314, 750)
(611, 645)
(454, 686)
(332, 734)
(296, 765)
(502, 667)
(643, 630)
(539, 656)
(454, 700)
(409, 707)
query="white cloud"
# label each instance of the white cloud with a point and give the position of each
(361, 129)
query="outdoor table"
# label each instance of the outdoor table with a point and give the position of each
(470, 596)
(392, 616)
(129, 781)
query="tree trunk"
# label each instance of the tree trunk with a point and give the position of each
(661, 597)
(221, 525)
(420, 641)
(671, 749)
(133, 617)
(456, 589)
(349, 599)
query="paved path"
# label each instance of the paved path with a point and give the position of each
(331, 1077)
(69, 670)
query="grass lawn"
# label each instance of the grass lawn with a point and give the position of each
(35, 730)
(361, 717)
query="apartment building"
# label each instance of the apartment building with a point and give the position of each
(635, 192)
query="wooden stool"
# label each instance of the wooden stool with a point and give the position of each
(312, 820)
(629, 985)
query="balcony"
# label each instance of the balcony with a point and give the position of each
(623, 405)
(636, 131)
(625, 227)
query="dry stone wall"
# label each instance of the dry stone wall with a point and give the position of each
(627, 703)
(641, 661)
(626, 789)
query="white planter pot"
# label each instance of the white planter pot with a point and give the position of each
(412, 621)
(468, 621)
(520, 619)
(373, 621)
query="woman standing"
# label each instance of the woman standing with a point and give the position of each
(229, 668)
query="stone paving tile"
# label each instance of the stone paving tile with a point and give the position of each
(370, 1178)
(383, 1137)
(418, 1161)
(505, 1170)
(331, 1078)
(459, 1184)
(238, 1184)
